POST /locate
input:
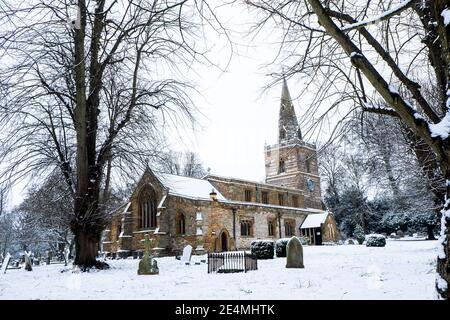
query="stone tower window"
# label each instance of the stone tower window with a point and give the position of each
(282, 134)
(248, 195)
(308, 165)
(281, 199)
(147, 208)
(299, 134)
(281, 166)
(265, 197)
(246, 228)
(181, 224)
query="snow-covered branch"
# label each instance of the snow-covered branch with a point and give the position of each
(384, 16)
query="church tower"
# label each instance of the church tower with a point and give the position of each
(292, 162)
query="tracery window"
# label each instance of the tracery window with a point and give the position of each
(147, 208)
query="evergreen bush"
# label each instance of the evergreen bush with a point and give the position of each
(375, 240)
(262, 249)
(359, 234)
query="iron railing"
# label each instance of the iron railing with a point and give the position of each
(229, 262)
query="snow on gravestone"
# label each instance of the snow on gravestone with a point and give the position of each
(28, 263)
(294, 254)
(6, 262)
(186, 257)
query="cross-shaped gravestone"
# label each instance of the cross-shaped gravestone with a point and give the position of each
(147, 245)
(5, 263)
(148, 265)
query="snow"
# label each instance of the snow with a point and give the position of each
(396, 9)
(401, 270)
(393, 90)
(440, 282)
(355, 54)
(189, 187)
(314, 220)
(442, 128)
(418, 116)
(446, 15)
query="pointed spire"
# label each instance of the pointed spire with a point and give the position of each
(288, 127)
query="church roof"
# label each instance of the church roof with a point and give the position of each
(188, 187)
(314, 220)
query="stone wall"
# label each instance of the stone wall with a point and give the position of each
(330, 231)
(234, 189)
(296, 171)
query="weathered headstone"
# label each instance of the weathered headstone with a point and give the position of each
(66, 255)
(186, 257)
(5, 262)
(350, 241)
(49, 256)
(294, 254)
(400, 233)
(148, 265)
(28, 264)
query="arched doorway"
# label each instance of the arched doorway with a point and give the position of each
(224, 241)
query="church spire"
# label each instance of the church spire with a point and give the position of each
(288, 127)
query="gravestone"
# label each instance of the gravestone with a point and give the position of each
(66, 255)
(49, 256)
(148, 265)
(5, 262)
(28, 264)
(294, 254)
(186, 257)
(350, 241)
(400, 233)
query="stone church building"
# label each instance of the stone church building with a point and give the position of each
(216, 213)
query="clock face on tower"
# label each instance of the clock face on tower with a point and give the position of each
(310, 184)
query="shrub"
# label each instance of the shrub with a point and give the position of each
(359, 234)
(375, 240)
(262, 249)
(280, 247)
(281, 244)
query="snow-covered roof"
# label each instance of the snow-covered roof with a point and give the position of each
(314, 220)
(188, 187)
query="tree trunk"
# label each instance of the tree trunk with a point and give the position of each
(430, 232)
(86, 248)
(443, 262)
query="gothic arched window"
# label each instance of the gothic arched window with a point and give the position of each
(281, 166)
(308, 165)
(181, 224)
(246, 228)
(147, 208)
(282, 134)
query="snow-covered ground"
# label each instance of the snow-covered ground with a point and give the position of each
(401, 270)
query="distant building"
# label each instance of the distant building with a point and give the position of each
(221, 213)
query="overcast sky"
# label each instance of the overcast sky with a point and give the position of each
(239, 116)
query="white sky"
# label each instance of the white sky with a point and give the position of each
(239, 116)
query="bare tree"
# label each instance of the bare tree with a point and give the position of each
(356, 52)
(186, 164)
(78, 95)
